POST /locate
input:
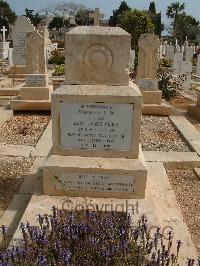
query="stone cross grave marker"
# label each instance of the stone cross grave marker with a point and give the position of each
(4, 33)
(21, 27)
(97, 16)
(35, 53)
(147, 58)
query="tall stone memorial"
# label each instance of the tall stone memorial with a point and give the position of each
(147, 79)
(20, 29)
(96, 119)
(35, 95)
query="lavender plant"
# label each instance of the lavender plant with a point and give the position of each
(90, 238)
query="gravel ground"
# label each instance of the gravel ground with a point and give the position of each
(8, 83)
(187, 187)
(24, 129)
(158, 134)
(12, 170)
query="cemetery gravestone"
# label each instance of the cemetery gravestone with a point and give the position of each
(10, 57)
(97, 16)
(20, 29)
(169, 52)
(177, 49)
(198, 65)
(132, 61)
(147, 68)
(4, 46)
(189, 52)
(36, 91)
(96, 126)
(186, 69)
(178, 58)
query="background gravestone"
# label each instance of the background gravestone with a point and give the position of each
(20, 29)
(147, 79)
(35, 94)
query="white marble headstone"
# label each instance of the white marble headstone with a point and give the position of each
(178, 58)
(132, 60)
(189, 52)
(169, 52)
(21, 27)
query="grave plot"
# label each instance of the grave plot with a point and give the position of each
(12, 170)
(158, 134)
(24, 129)
(187, 186)
(180, 102)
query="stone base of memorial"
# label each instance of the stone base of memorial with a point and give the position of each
(17, 72)
(194, 110)
(4, 47)
(149, 89)
(96, 134)
(35, 95)
(95, 177)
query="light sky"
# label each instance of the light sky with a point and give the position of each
(107, 6)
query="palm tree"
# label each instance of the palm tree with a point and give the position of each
(173, 11)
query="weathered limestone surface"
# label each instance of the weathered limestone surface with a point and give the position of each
(20, 29)
(112, 97)
(36, 93)
(54, 182)
(148, 58)
(96, 118)
(94, 56)
(147, 69)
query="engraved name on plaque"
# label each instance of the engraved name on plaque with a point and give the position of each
(96, 126)
(95, 182)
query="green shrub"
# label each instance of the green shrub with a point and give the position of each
(59, 71)
(56, 58)
(170, 84)
(165, 62)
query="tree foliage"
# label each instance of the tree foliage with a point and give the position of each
(82, 17)
(7, 16)
(115, 18)
(34, 18)
(58, 23)
(64, 7)
(173, 11)
(182, 24)
(136, 22)
(152, 8)
(187, 26)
